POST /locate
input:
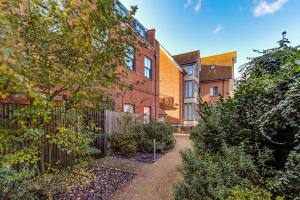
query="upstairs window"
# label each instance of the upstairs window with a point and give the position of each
(120, 9)
(188, 89)
(214, 91)
(140, 29)
(189, 70)
(130, 58)
(148, 67)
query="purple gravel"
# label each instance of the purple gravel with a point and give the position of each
(107, 182)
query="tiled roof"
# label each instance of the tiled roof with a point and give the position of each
(219, 73)
(187, 58)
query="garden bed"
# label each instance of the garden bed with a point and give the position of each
(106, 182)
(146, 158)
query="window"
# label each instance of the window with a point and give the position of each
(214, 91)
(130, 58)
(140, 29)
(148, 67)
(189, 70)
(212, 67)
(188, 112)
(147, 115)
(188, 89)
(128, 108)
(120, 9)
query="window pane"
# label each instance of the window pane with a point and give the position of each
(189, 70)
(140, 30)
(131, 52)
(214, 91)
(129, 63)
(129, 59)
(128, 108)
(121, 10)
(147, 114)
(189, 88)
(188, 111)
(148, 67)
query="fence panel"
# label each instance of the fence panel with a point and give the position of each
(59, 118)
(114, 121)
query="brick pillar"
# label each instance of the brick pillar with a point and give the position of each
(151, 37)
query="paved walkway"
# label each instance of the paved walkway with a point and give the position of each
(156, 181)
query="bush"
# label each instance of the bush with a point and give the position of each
(162, 133)
(125, 144)
(16, 185)
(251, 194)
(210, 175)
(260, 124)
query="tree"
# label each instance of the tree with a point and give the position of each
(57, 52)
(65, 48)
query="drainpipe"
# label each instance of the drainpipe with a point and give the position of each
(155, 86)
(223, 89)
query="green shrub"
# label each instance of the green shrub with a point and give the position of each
(162, 133)
(251, 194)
(210, 175)
(125, 144)
(260, 124)
(16, 185)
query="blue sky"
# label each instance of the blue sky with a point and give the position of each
(216, 26)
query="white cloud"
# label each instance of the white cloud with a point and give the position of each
(188, 3)
(198, 5)
(265, 8)
(218, 29)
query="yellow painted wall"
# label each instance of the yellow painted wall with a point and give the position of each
(171, 85)
(225, 59)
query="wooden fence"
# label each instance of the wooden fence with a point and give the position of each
(51, 153)
(114, 121)
(107, 122)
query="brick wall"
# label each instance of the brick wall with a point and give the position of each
(171, 87)
(223, 89)
(144, 92)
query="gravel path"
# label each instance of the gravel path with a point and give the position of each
(156, 181)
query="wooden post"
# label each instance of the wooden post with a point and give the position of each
(154, 149)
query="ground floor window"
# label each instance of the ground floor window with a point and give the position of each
(147, 115)
(189, 111)
(130, 108)
(162, 119)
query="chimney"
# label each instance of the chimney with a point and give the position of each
(151, 36)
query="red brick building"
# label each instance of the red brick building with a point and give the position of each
(217, 76)
(142, 69)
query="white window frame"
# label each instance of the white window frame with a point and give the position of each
(147, 114)
(189, 89)
(129, 108)
(214, 91)
(189, 112)
(147, 69)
